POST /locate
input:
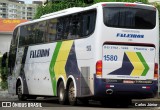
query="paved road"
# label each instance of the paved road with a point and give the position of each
(52, 104)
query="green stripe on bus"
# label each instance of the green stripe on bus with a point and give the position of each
(51, 69)
(146, 67)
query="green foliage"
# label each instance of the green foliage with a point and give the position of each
(53, 7)
(4, 85)
(157, 5)
(3, 75)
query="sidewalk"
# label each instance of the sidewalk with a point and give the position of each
(4, 94)
(148, 100)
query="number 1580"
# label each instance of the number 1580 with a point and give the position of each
(110, 57)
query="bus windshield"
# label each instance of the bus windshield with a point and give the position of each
(133, 18)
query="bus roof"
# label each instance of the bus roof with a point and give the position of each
(76, 9)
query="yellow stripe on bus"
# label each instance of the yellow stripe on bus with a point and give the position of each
(138, 66)
(62, 57)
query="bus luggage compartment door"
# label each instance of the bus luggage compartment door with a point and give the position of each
(128, 62)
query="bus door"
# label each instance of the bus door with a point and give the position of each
(12, 63)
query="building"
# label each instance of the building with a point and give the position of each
(151, 1)
(13, 9)
(6, 29)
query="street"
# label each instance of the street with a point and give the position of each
(52, 104)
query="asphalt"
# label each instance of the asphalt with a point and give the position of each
(4, 94)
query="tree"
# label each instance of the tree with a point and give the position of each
(56, 6)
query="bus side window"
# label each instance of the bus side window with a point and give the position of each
(51, 33)
(41, 32)
(27, 35)
(60, 29)
(89, 19)
(66, 24)
(75, 27)
(30, 39)
(23, 35)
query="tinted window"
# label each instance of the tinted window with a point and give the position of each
(40, 32)
(52, 24)
(13, 50)
(33, 33)
(15, 38)
(67, 23)
(27, 34)
(30, 38)
(59, 29)
(73, 27)
(89, 19)
(68, 27)
(134, 18)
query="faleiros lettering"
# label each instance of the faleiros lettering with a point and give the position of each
(39, 53)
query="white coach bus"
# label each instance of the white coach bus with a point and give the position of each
(107, 52)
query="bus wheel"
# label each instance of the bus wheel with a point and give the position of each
(62, 96)
(21, 96)
(71, 94)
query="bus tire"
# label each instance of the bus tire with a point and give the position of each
(71, 94)
(21, 96)
(62, 95)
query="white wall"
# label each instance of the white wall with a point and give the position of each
(5, 40)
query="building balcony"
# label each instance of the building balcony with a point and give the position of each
(1, 11)
(3, 6)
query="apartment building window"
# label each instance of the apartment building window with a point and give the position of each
(4, 15)
(29, 14)
(3, 4)
(29, 18)
(17, 9)
(29, 8)
(3, 9)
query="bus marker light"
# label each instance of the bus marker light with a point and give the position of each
(146, 87)
(104, 4)
(156, 71)
(109, 86)
(99, 68)
(130, 4)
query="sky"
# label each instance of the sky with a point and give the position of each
(30, 1)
